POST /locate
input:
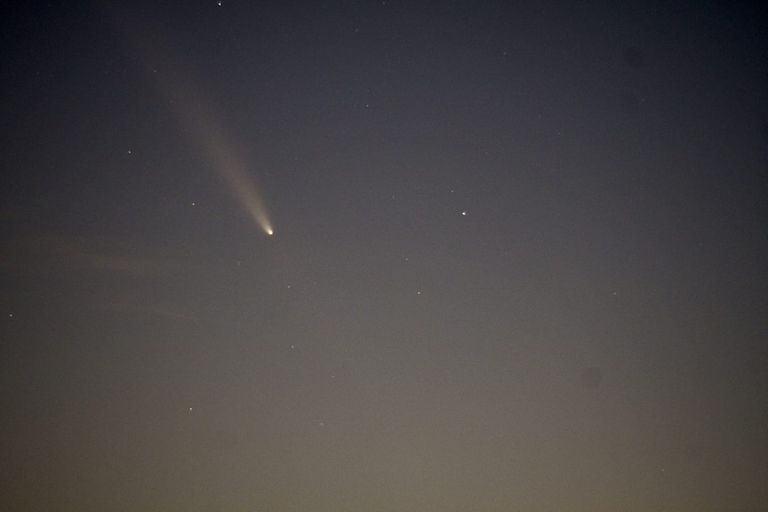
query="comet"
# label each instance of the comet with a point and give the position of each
(222, 153)
(202, 124)
(225, 161)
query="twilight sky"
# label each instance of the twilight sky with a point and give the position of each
(518, 258)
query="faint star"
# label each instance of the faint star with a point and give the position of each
(418, 292)
(190, 409)
(130, 151)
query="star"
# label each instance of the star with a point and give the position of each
(464, 213)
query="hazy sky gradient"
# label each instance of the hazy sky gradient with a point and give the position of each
(519, 259)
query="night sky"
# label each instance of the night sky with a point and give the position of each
(384, 256)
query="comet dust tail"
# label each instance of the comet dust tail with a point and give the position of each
(201, 123)
(245, 191)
